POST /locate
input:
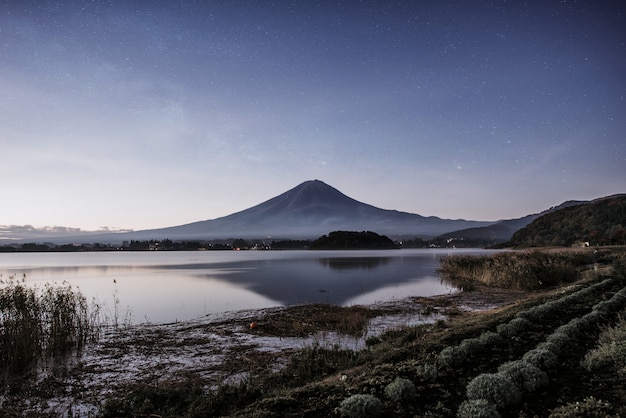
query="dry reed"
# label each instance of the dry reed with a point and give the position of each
(40, 324)
(523, 270)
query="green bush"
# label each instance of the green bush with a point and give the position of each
(572, 329)
(477, 408)
(542, 358)
(513, 328)
(490, 338)
(495, 388)
(452, 356)
(471, 346)
(361, 406)
(537, 313)
(525, 376)
(557, 342)
(401, 391)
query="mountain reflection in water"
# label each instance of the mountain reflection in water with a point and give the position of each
(171, 286)
(362, 263)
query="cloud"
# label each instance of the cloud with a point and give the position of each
(30, 232)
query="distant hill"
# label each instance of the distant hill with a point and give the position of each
(499, 232)
(307, 211)
(352, 240)
(599, 222)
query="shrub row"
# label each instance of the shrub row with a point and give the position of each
(454, 356)
(539, 312)
(610, 352)
(401, 392)
(526, 374)
(489, 392)
(492, 391)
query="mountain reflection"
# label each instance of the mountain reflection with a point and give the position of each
(344, 263)
(171, 286)
(329, 279)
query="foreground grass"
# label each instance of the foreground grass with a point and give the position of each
(555, 353)
(38, 326)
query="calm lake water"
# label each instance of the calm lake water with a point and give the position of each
(161, 287)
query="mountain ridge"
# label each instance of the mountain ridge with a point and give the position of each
(503, 230)
(597, 222)
(307, 211)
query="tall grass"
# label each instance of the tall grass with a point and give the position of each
(40, 324)
(525, 270)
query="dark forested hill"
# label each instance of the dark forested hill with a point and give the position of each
(350, 240)
(600, 222)
(499, 232)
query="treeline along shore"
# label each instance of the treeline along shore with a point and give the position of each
(340, 240)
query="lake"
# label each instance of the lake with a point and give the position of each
(162, 287)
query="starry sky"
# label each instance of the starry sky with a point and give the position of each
(146, 114)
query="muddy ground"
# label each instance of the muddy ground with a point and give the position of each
(224, 348)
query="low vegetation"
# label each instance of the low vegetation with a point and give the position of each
(610, 353)
(350, 320)
(39, 325)
(527, 270)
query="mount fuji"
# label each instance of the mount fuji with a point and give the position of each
(307, 211)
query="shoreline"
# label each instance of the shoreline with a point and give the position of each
(223, 349)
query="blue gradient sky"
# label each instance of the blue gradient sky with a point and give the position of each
(142, 114)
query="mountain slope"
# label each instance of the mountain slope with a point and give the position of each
(503, 230)
(601, 221)
(307, 211)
